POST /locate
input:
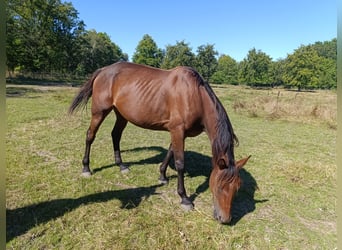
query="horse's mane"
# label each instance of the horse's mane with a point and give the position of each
(225, 138)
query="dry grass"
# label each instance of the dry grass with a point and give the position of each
(308, 107)
(49, 206)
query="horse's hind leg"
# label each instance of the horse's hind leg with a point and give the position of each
(163, 179)
(96, 120)
(119, 126)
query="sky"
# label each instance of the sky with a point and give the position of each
(276, 27)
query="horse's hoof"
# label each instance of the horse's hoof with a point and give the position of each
(124, 170)
(163, 181)
(86, 174)
(187, 207)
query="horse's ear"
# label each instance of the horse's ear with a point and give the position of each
(222, 163)
(239, 164)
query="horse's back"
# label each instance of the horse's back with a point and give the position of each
(150, 97)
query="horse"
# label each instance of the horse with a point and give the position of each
(178, 101)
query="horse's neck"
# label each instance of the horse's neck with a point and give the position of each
(213, 127)
(210, 118)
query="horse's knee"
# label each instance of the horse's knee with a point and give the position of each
(179, 164)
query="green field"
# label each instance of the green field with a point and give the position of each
(287, 201)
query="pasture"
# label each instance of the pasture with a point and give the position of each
(287, 201)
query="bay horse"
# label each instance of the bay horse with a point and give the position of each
(176, 100)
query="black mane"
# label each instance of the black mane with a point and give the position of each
(226, 138)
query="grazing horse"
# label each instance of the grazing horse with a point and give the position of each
(176, 100)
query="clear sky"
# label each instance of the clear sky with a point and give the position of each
(277, 27)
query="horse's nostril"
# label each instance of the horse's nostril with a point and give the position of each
(217, 217)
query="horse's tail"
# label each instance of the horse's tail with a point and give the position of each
(84, 94)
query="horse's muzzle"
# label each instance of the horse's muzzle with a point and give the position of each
(222, 219)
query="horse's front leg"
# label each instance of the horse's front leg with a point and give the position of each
(177, 141)
(119, 126)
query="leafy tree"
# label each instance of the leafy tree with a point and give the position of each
(327, 49)
(277, 69)
(226, 71)
(40, 35)
(206, 61)
(303, 68)
(327, 78)
(97, 50)
(148, 53)
(255, 68)
(179, 54)
(14, 41)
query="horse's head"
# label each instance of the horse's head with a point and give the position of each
(224, 183)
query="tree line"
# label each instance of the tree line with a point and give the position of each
(308, 67)
(48, 36)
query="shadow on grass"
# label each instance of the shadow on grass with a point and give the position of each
(45, 82)
(22, 91)
(200, 165)
(244, 202)
(20, 220)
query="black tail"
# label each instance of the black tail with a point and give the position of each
(85, 93)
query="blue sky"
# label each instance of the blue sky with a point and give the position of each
(277, 27)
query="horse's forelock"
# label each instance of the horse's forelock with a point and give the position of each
(227, 175)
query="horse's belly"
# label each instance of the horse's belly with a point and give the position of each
(144, 118)
(160, 110)
(150, 124)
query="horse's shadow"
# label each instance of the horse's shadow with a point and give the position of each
(200, 165)
(20, 220)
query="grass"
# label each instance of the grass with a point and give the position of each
(291, 137)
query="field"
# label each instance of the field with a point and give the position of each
(287, 201)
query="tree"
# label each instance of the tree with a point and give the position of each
(277, 69)
(14, 42)
(40, 35)
(48, 36)
(148, 53)
(206, 61)
(327, 78)
(326, 49)
(255, 68)
(179, 54)
(96, 51)
(303, 68)
(226, 71)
